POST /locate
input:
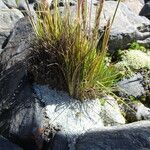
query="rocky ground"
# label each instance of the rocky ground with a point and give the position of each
(35, 117)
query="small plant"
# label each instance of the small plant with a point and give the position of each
(137, 46)
(79, 64)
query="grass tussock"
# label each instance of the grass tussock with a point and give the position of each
(67, 48)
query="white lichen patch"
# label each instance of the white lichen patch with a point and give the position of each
(134, 60)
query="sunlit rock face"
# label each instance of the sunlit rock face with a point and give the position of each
(74, 117)
(8, 18)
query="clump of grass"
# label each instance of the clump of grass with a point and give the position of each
(76, 59)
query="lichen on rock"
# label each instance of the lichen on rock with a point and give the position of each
(133, 60)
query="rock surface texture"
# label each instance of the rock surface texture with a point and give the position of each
(20, 110)
(8, 18)
(132, 86)
(146, 10)
(133, 136)
(134, 5)
(127, 27)
(7, 145)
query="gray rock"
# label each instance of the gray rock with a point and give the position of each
(134, 5)
(127, 27)
(76, 117)
(135, 136)
(143, 113)
(13, 4)
(10, 4)
(16, 48)
(135, 111)
(1, 50)
(8, 19)
(146, 1)
(132, 86)
(146, 10)
(7, 145)
(20, 110)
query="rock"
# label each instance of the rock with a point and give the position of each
(111, 112)
(146, 1)
(13, 4)
(135, 111)
(18, 44)
(134, 5)
(21, 117)
(20, 110)
(143, 113)
(1, 51)
(7, 145)
(75, 117)
(25, 107)
(132, 86)
(127, 27)
(59, 142)
(8, 19)
(133, 136)
(10, 4)
(135, 65)
(146, 10)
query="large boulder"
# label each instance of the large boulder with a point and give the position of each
(73, 117)
(20, 110)
(133, 136)
(8, 19)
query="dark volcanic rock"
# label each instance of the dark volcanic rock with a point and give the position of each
(146, 1)
(133, 136)
(7, 145)
(20, 110)
(18, 44)
(146, 10)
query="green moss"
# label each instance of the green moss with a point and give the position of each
(135, 46)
